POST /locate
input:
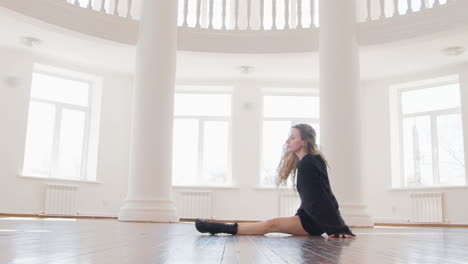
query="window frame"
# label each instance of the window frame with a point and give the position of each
(293, 120)
(201, 124)
(432, 115)
(59, 108)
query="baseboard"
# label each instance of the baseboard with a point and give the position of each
(379, 221)
(57, 216)
(421, 225)
(223, 221)
(375, 224)
(217, 220)
(390, 220)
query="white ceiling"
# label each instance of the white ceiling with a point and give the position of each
(382, 61)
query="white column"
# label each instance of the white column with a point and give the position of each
(463, 79)
(149, 195)
(340, 106)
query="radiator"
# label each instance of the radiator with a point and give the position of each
(288, 204)
(426, 207)
(60, 199)
(194, 204)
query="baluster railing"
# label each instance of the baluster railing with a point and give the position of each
(423, 5)
(249, 6)
(129, 9)
(262, 4)
(223, 15)
(198, 14)
(236, 15)
(396, 9)
(369, 8)
(273, 9)
(116, 8)
(312, 13)
(185, 23)
(207, 12)
(410, 6)
(299, 14)
(382, 9)
(210, 24)
(103, 6)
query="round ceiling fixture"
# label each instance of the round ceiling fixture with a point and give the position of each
(453, 51)
(30, 42)
(246, 69)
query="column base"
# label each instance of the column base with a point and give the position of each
(163, 211)
(356, 215)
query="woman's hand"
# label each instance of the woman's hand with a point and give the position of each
(344, 235)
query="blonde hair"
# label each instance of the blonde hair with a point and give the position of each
(289, 160)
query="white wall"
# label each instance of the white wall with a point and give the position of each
(393, 205)
(27, 195)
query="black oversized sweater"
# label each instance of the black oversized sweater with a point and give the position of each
(317, 199)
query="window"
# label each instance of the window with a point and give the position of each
(280, 112)
(201, 139)
(432, 136)
(58, 127)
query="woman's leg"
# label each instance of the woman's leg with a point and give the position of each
(289, 225)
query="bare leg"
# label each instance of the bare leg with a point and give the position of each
(289, 225)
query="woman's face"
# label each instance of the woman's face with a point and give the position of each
(295, 142)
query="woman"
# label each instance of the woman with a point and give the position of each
(318, 212)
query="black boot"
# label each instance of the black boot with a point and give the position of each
(205, 226)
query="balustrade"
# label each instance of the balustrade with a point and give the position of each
(258, 14)
(395, 8)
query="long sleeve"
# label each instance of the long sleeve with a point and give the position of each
(317, 198)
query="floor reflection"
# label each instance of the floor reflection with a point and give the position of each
(325, 250)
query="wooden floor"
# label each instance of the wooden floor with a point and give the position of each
(83, 241)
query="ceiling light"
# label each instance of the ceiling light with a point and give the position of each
(453, 51)
(30, 42)
(246, 69)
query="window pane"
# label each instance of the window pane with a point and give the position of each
(291, 106)
(215, 152)
(451, 156)
(317, 131)
(39, 139)
(70, 154)
(417, 150)
(185, 152)
(430, 99)
(275, 134)
(59, 89)
(202, 104)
